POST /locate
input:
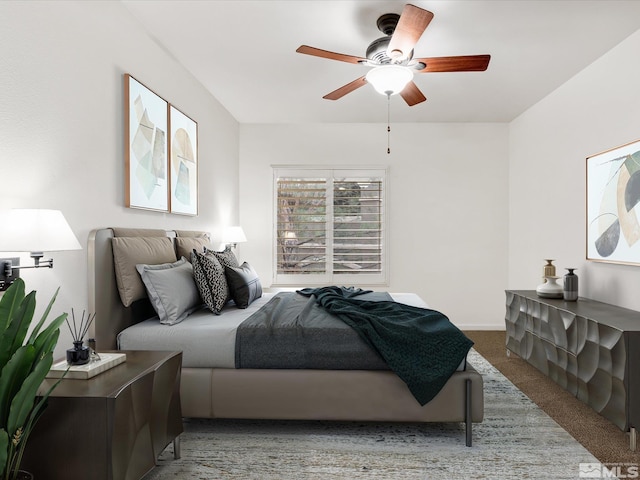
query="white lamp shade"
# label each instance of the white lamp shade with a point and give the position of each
(389, 79)
(234, 235)
(36, 230)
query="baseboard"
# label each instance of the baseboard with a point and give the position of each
(472, 327)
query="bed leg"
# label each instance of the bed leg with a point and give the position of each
(176, 448)
(467, 413)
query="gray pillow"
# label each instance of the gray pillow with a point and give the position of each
(244, 284)
(171, 289)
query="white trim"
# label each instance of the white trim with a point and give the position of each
(483, 326)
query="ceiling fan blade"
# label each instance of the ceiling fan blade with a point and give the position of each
(412, 24)
(412, 94)
(317, 52)
(465, 63)
(348, 88)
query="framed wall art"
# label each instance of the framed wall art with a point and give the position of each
(183, 167)
(146, 147)
(613, 205)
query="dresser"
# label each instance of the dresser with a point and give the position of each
(590, 348)
(112, 426)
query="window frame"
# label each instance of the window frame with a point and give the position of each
(330, 173)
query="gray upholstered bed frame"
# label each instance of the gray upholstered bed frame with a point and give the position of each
(344, 395)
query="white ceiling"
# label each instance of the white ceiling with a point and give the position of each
(243, 52)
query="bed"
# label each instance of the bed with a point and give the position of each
(224, 391)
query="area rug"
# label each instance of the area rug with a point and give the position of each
(516, 440)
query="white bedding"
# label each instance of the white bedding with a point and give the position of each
(207, 340)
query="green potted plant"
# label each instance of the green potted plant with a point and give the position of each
(23, 367)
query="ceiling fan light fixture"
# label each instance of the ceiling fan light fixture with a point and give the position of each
(389, 79)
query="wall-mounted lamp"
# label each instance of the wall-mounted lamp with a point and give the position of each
(35, 231)
(233, 236)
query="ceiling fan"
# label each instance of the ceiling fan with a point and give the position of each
(392, 59)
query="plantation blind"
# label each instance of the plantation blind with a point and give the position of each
(330, 226)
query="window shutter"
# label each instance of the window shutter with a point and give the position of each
(301, 231)
(330, 226)
(357, 226)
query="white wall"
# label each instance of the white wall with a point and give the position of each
(459, 193)
(62, 130)
(448, 197)
(594, 111)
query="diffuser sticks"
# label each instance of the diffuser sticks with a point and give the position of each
(79, 331)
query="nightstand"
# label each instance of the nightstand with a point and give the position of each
(112, 426)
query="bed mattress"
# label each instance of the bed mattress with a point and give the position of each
(207, 340)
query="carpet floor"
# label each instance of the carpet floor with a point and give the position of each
(603, 439)
(517, 439)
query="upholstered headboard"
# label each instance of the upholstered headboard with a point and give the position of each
(112, 316)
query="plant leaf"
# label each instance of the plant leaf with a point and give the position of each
(23, 402)
(48, 345)
(9, 304)
(37, 328)
(10, 301)
(38, 409)
(4, 447)
(22, 370)
(19, 323)
(12, 377)
(43, 341)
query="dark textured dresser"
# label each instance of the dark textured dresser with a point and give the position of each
(112, 426)
(590, 348)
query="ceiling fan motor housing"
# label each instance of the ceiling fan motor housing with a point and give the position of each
(377, 50)
(387, 23)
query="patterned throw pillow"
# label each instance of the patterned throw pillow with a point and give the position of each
(211, 281)
(227, 258)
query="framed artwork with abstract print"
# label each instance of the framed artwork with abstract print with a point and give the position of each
(613, 205)
(183, 166)
(146, 147)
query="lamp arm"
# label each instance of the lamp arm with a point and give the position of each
(37, 263)
(44, 263)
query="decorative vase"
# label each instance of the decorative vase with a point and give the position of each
(570, 287)
(550, 288)
(79, 354)
(549, 269)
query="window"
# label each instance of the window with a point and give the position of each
(330, 226)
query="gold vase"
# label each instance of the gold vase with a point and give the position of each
(549, 269)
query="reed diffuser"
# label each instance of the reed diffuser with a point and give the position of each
(79, 354)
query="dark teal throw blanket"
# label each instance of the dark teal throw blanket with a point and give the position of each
(420, 345)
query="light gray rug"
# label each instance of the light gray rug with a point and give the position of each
(516, 440)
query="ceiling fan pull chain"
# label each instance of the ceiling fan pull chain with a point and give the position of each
(388, 123)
